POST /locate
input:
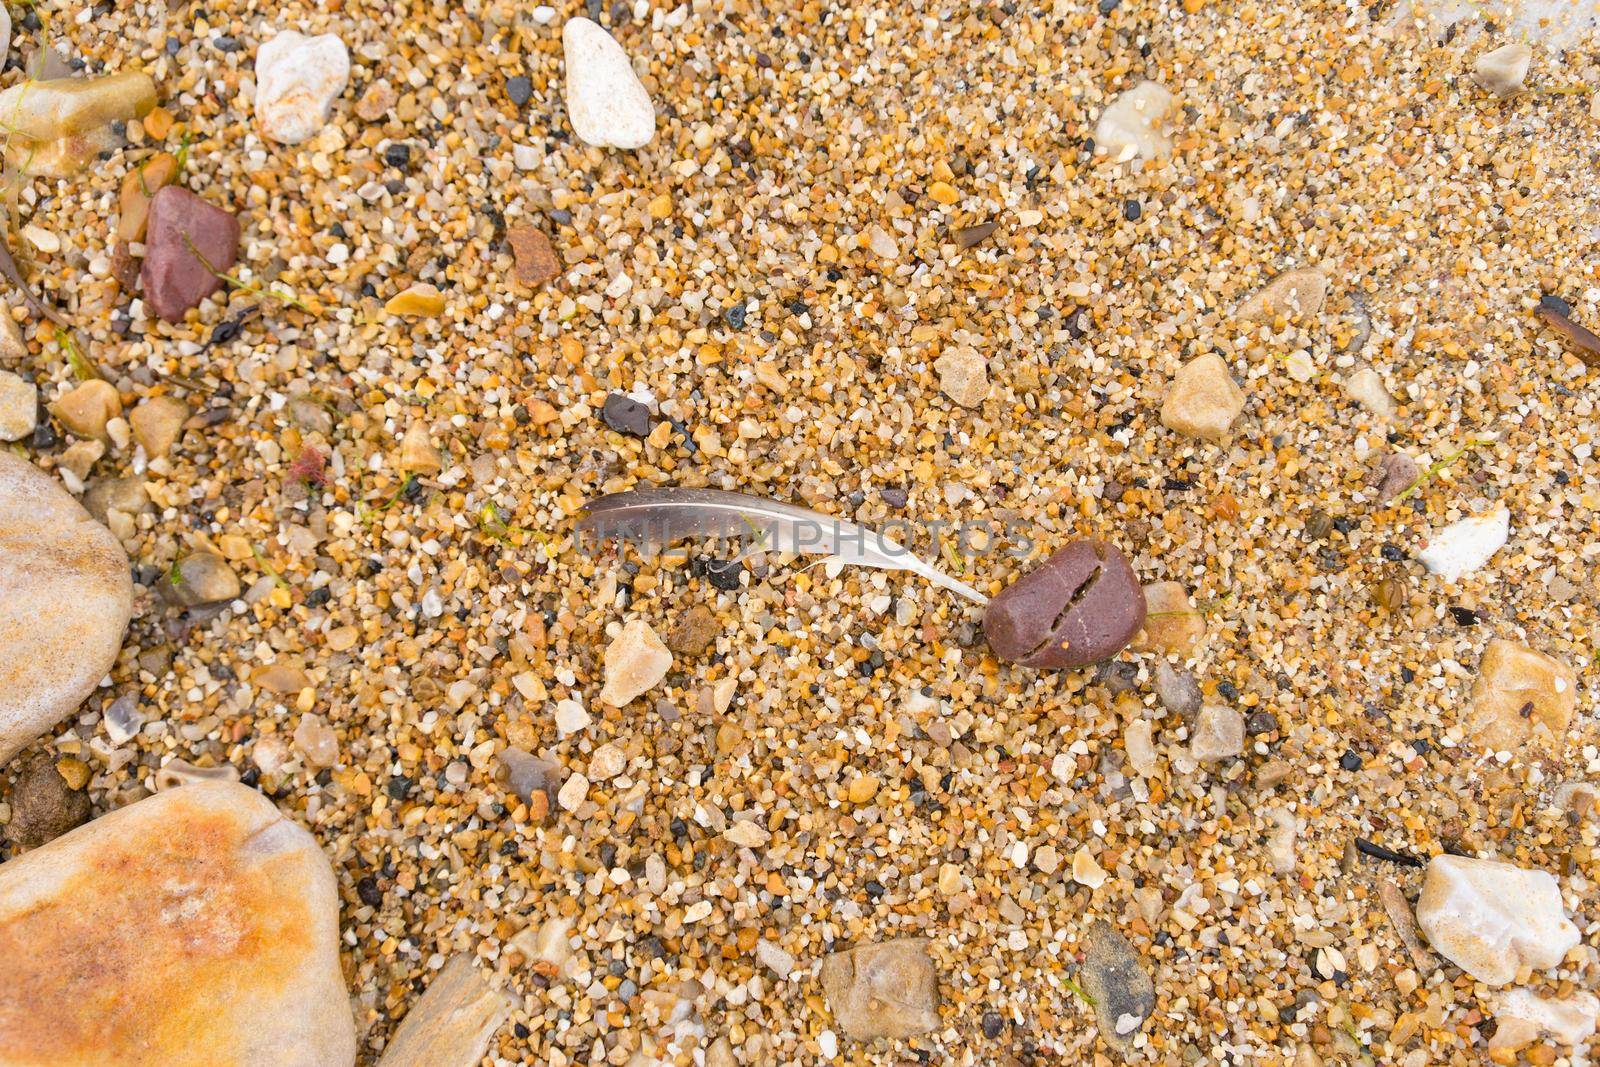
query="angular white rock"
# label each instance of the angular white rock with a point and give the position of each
(606, 102)
(1528, 1016)
(635, 662)
(297, 80)
(1365, 387)
(1503, 71)
(1491, 918)
(1464, 546)
(1218, 734)
(1131, 125)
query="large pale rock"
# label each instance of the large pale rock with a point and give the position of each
(1132, 125)
(1523, 1017)
(1464, 546)
(1520, 696)
(1491, 918)
(297, 80)
(65, 598)
(19, 406)
(887, 990)
(635, 662)
(1218, 734)
(196, 928)
(1203, 399)
(606, 102)
(453, 1023)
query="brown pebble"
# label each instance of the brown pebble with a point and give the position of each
(43, 805)
(537, 263)
(1083, 605)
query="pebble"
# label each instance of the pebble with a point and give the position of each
(1365, 386)
(573, 792)
(1138, 742)
(1504, 70)
(607, 762)
(1086, 870)
(963, 375)
(19, 407)
(176, 279)
(1523, 1016)
(1117, 984)
(1172, 624)
(1203, 399)
(606, 102)
(1464, 546)
(68, 599)
(536, 261)
(1080, 606)
(158, 423)
(176, 907)
(1281, 840)
(87, 408)
(43, 804)
(1177, 690)
(297, 80)
(694, 632)
(635, 663)
(1521, 697)
(1132, 126)
(1392, 475)
(1297, 293)
(1491, 918)
(882, 990)
(454, 1022)
(201, 578)
(1218, 734)
(570, 717)
(420, 300)
(626, 415)
(316, 741)
(377, 102)
(774, 958)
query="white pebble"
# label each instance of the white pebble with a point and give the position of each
(1463, 547)
(297, 80)
(606, 102)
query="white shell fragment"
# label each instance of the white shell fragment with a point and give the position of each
(606, 102)
(1504, 70)
(1131, 126)
(1464, 546)
(297, 80)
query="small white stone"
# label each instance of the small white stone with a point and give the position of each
(1131, 126)
(1366, 388)
(635, 662)
(1504, 70)
(607, 762)
(570, 717)
(543, 15)
(606, 102)
(19, 407)
(1141, 749)
(297, 80)
(1491, 918)
(1086, 870)
(1218, 734)
(747, 833)
(1464, 546)
(573, 792)
(774, 958)
(963, 375)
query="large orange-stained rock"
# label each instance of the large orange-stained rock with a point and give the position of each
(196, 927)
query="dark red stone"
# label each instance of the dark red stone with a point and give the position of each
(1082, 605)
(175, 278)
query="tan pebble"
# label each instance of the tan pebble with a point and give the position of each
(1521, 697)
(1203, 399)
(85, 409)
(1172, 624)
(634, 663)
(158, 423)
(863, 788)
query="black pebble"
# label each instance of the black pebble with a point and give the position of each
(1261, 722)
(992, 1024)
(1392, 553)
(318, 597)
(1131, 210)
(1350, 761)
(1551, 302)
(895, 497)
(367, 889)
(735, 316)
(226, 43)
(875, 889)
(1227, 691)
(724, 573)
(626, 415)
(398, 155)
(519, 89)
(399, 787)
(1464, 616)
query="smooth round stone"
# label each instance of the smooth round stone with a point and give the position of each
(65, 598)
(196, 926)
(606, 102)
(1083, 605)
